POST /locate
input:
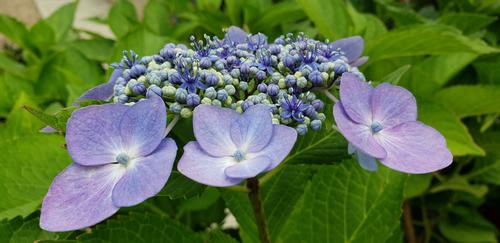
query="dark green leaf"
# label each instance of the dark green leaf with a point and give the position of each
(467, 22)
(179, 186)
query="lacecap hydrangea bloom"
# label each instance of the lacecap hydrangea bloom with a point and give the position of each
(120, 158)
(249, 99)
(381, 123)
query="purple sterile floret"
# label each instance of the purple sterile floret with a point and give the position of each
(381, 122)
(121, 158)
(352, 47)
(103, 91)
(231, 147)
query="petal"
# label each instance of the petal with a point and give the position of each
(360, 61)
(80, 197)
(248, 168)
(211, 127)
(393, 105)
(236, 35)
(48, 129)
(203, 168)
(414, 147)
(145, 176)
(367, 162)
(352, 46)
(92, 134)
(142, 126)
(355, 96)
(359, 135)
(279, 147)
(252, 131)
(103, 91)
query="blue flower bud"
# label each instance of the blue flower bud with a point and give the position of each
(310, 96)
(168, 53)
(253, 70)
(169, 91)
(274, 49)
(175, 108)
(273, 89)
(316, 78)
(121, 81)
(181, 95)
(205, 62)
(227, 79)
(246, 104)
(340, 67)
(138, 88)
(316, 125)
(260, 75)
(235, 73)
(275, 77)
(153, 90)
(321, 116)
(186, 112)
(222, 94)
(175, 78)
(317, 104)
(230, 89)
(121, 98)
(243, 85)
(206, 101)
(137, 70)
(192, 100)
(232, 60)
(126, 74)
(146, 59)
(301, 129)
(153, 78)
(220, 64)
(210, 93)
(289, 62)
(158, 59)
(262, 87)
(290, 80)
(245, 69)
(306, 70)
(311, 112)
(301, 82)
(216, 103)
(211, 79)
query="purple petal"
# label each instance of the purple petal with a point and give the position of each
(358, 134)
(252, 131)
(211, 127)
(414, 147)
(248, 168)
(48, 129)
(80, 197)
(279, 147)
(355, 96)
(203, 168)
(145, 176)
(359, 62)
(352, 46)
(93, 135)
(367, 162)
(236, 35)
(142, 126)
(393, 105)
(103, 91)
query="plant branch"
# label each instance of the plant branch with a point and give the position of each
(408, 223)
(254, 196)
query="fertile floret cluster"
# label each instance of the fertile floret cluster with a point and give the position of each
(239, 71)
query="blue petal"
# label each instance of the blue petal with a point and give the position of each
(366, 161)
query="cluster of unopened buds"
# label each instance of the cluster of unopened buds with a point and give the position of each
(249, 99)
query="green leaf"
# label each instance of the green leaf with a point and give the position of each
(219, 237)
(488, 72)
(487, 169)
(11, 88)
(61, 20)
(428, 76)
(457, 136)
(140, 227)
(157, 17)
(179, 186)
(42, 35)
(95, 49)
(15, 30)
(122, 18)
(460, 183)
(284, 12)
(29, 164)
(417, 184)
(141, 41)
(19, 122)
(57, 121)
(467, 22)
(344, 203)
(329, 16)
(11, 66)
(474, 99)
(424, 40)
(463, 230)
(30, 232)
(395, 76)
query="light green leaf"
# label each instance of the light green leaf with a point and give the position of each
(488, 72)
(344, 203)
(95, 49)
(11, 66)
(15, 30)
(424, 40)
(329, 16)
(487, 169)
(11, 88)
(428, 76)
(61, 20)
(463, 231)
(460, 183)
(122, 18)
(467, 22)
(395, 76)
(457, 136)
(219, 237)
(471, 100)
(157, 17)
(29, 164)
(141, 41)
(417, 184)
(140, 227)
(20, 122)
(284, 12)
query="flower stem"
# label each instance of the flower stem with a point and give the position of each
(330, 96)
(171, 125)
(254, 196)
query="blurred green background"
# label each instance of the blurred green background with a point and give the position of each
(444, 51)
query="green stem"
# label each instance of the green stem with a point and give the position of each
(171, 125)
(254, 196)
(330, 96)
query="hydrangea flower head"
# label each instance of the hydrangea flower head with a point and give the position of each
(121, 158)
(231, 147)
(382, 123)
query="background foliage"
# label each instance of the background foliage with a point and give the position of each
(444, 51)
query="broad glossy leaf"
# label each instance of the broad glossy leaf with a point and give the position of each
(122, 18)
(179, 186)
(487, 169)
(471, 100)
(329, 16)
(467, 22)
